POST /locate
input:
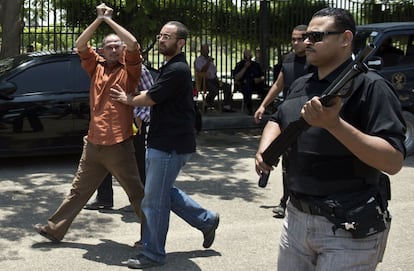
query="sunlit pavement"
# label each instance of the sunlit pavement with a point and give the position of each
(220, 176)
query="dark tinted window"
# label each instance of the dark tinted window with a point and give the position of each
(395, 50)
(82, 80)
(52, 76)
(362, 39)
(9, 63)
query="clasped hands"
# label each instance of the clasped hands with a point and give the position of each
(103, 11)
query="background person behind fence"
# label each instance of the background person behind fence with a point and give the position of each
(294, 65)
(249, 78)
(205, 63)
(337, 216)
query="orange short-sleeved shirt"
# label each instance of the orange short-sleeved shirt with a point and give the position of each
(111, 121)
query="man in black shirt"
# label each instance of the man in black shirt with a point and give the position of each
(249, 78)
(337, 217)
(294, 66)
(171, 141)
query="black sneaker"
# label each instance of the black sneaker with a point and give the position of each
(141, 261)
(98, 205)
(211, 233)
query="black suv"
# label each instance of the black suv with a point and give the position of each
(394, 59)
(44, 104)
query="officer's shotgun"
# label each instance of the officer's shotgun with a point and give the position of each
(294, 129)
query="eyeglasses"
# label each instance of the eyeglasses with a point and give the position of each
(164, 37)
(316, 36)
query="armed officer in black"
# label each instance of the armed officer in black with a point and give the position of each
(337, 217)
(294, 66)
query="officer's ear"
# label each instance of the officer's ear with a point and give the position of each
(347, 38)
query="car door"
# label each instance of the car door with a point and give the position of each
(398, 67)
(80, 101)
(38, 117)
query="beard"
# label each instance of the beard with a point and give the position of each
(168, 50)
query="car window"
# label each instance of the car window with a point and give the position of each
(393, 50)
(9, 63)
(51, 76)
(82, 80)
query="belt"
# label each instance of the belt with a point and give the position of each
(306, 207)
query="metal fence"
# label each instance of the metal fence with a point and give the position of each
(228, 26)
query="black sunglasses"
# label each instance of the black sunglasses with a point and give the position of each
(316, 36)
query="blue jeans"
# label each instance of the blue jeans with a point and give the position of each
(308, 243)
(161, 196)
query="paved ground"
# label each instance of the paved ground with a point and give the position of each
(220, 176)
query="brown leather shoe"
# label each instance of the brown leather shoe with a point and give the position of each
(42, 230)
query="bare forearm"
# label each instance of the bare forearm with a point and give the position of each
(372, 150)
(124, 35)
(82, 41)
(270, 132)
(274, 91)
(142, 100)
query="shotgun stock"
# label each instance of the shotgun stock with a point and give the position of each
(294, 129)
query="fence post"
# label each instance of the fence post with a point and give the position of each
(264, 34)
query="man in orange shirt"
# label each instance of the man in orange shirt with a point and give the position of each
(108, 147)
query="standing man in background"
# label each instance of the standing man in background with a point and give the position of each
(294, 65)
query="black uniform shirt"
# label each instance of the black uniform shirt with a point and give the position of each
(317, 163)
(173, 115)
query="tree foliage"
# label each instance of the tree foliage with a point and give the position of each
(216, 20)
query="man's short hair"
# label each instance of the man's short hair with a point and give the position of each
(301, 27)
(182, 30)
(343, 19)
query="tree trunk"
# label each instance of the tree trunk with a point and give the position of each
(11, 26)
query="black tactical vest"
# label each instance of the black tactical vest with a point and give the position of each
(293, 67)
(317, 164)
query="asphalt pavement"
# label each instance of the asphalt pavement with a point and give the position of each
(220, 176)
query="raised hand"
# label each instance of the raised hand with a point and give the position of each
(104, 11)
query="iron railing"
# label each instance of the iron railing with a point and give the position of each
(228, 26)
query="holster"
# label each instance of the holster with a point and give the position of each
(362, 213)
(361, 221)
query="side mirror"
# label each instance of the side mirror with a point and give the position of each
(6, 90)
(375, 62)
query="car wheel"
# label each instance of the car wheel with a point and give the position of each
(409, 134)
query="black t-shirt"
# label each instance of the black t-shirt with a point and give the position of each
(173, 116)
(317, 163)
(252, 72)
